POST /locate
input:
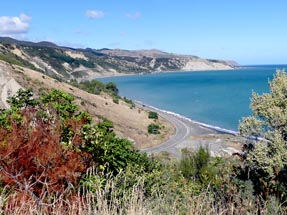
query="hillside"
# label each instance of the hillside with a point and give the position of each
(69, 63)
(129, 122)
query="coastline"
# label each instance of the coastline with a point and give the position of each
(192, 135)
(212, 127)
(189, 133)
(118, 74)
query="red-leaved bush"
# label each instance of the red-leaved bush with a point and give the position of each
(33, 157)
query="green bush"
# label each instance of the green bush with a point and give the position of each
(153, 129)
(109, 152)
(129, 101)
(112, 88)
(96, 87)
(265, 159)
(152, 115)
(192, 165)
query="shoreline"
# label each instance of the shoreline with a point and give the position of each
(192, 135)
(160, 72)
(212, 127)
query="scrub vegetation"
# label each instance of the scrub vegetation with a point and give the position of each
(54, 160)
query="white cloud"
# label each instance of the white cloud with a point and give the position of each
(95, 14)
(10, 26)
(13, 26)
(135, 15)
(25, 18)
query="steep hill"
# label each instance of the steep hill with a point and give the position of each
(69, 63)
(129, 122)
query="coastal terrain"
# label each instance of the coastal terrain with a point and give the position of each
(128, 123)
(42, 72)
(192, 135)
(81, 64)
(140, 107)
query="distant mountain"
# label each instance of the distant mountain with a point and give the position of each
(152, 53)
(70, 63)
(8, 40)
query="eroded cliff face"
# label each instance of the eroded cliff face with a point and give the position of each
(67, 63)
(8, 85)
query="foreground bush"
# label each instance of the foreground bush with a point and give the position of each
(265, 159)
(47, 146)
(35, 161)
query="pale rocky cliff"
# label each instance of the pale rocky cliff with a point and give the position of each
(8, 85)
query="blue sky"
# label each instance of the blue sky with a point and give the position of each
(247, 31)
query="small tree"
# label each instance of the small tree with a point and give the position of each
(266, 164)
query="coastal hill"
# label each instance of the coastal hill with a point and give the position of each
(69, 63)
(129, 122)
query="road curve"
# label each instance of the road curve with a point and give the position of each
(183, 130)
(181, 133)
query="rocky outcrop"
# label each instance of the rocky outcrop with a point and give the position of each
(8, 85)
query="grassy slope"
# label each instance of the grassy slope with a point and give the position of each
(129, 123)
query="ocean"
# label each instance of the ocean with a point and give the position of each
(216, 98)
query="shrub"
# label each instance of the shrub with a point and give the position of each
(24, 98)
(112, 87)
(152, 115)
(46, 146)
(129, 101)
(61, 101)
(192, 164)
(35, 157)
(266, 163)
(153, 129)
(96, 87)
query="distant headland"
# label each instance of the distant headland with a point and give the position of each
(72, 63)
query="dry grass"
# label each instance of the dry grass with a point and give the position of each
(106, 201)
(102, 201)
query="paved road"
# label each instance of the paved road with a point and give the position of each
(183, 130)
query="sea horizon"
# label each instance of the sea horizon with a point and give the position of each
(216, 99)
